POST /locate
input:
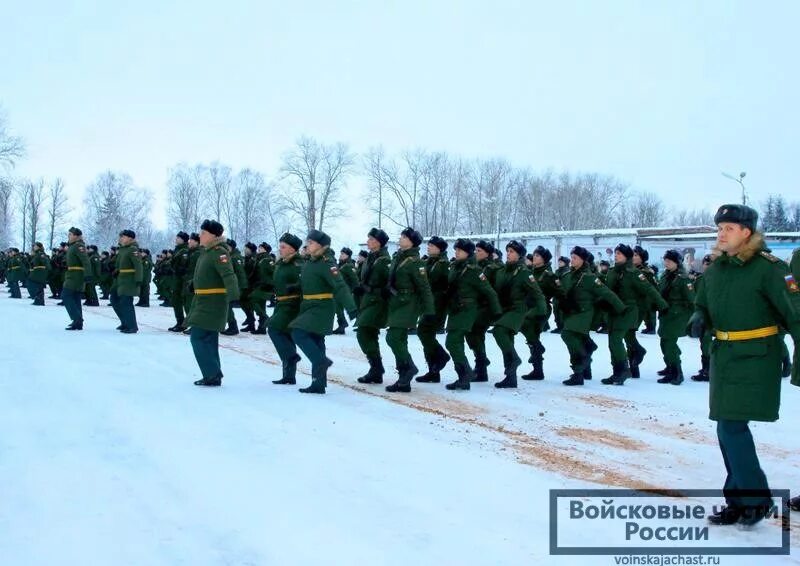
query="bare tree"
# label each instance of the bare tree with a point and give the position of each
(687, 217)
(642, 210)
(7, 193)
(275, 210)
(186, 197)
(11, 147)
(250, 205)
(316, 174)
(113, 203)
(58, 209)
(23, 194)
(377, 196)
(218, 183)
(36, 198)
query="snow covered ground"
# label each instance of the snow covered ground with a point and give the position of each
(109, 454)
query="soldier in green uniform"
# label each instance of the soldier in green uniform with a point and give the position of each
(78, 273)
(476, 337)
(188, 295)
(534, 324)
(37, 278)
(520, 297)
(147, 278)
(14, 270)
(106, 277)
(794, 268)
(706, 339)
(245, 302)
(466, 283)
(647, 313)
(347, 270)
(360, 262)
(632, 287)
(437, 269)
(261, 286)
(288, 296)
(55, 279)
(677, 289)
(747, 296)
(3, 262)
(561, 271)
(578, 292)
(214, 285)
(409, 295)
(372, 308)
(168, 279)
(127, 282)
(180, 269)
(320, 284)
(91, 287)
(237, 261)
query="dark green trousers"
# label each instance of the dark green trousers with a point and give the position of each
(177, 301)
(576, 346)
(455, 346)
(742, 465)
(205, 345)
(476, 338)
(72, 302)
(397, 340)
(367, 337)
(123, 306)
(504, 338)
(426, 332)
(671, 351)
(622, 342)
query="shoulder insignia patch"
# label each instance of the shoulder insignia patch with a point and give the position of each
(531, 278)
(689, 286)
(81, 249)
(558, 282)
(482, 277)
(223, 258)
(770, 257)
(423, 272)
(643, 277)
(791, 284)
(597, 281)
(334, 270)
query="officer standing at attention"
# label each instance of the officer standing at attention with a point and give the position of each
(746, 297)
(40, 265)
(127, 282)
(78, 274)
(214, 285)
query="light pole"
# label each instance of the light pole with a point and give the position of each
(738, 180)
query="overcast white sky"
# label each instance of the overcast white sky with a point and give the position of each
(665, 95)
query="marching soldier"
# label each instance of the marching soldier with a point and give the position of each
(91, 287)
(147, 277)
(15, 268)
(360, 260)
(127, 282)
(262, 285)
(647, 313)
(705, 340)
(466, 283)
(77, 275)
(238, 268)
(348, 272)
(578, 291)
(632, 287)
(245, 301)
(40, 265)
(476, 338)
(409, 296)
(520, 297)
(561, 271)
(320, 284)
(106, 274)
(3, 263)
(437, 269)
(534, 325)
(372, 308)
(57, 269)
(167, 278)
(677, 289)
(180, 269)
(288, 296)
(747, 295)
(214, 285)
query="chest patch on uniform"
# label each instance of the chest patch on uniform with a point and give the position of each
(791, 284)
(223, 258)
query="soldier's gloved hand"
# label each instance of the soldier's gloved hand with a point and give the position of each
(697, 326)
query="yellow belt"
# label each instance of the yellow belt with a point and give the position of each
(40, 267)
(318, 296)
(220, 291)
(127, 271)
(75, 269)
(286, 297)
(736, 335)
(17, 267)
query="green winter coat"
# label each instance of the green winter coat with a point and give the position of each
(409, 290)
(147, 271)
(288, 295)
(348, 271)
(215, 284)
(437, 269)
(372, 307)
(238, 268)
(633, 288)
(262, 277)
(488, 269)
(78, 267)
(14, 268)
(194, 255)
(466, 285)
(320, 284)
(748, 291)
(549, 284)
(678, 290)
(40, 267)
(128, 267)
(579, 290)
(519, 295)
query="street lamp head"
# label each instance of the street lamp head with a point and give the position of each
(742, 174)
